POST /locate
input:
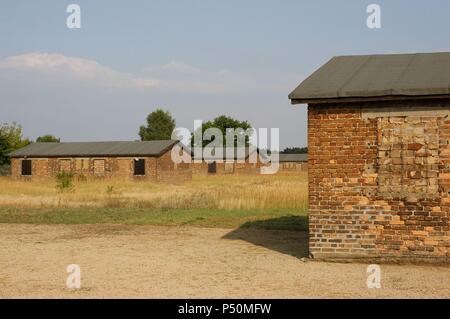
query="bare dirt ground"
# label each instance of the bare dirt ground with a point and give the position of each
(187, 262)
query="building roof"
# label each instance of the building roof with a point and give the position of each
(369, 76)
(95, 149)
(293, 158)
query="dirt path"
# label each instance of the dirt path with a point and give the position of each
(187, 262)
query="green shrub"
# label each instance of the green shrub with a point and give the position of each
(5, 170)
(109, 190)
(64, 181)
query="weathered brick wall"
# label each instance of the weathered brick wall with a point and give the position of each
(15, 168)
(161, 168)
(199, 168)
(39, 168)
(221, 168)
(379, 180)
(293, 167)
(168, 171)
(229, 167)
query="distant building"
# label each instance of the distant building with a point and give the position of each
(147, 160)
(245, 164)
(293, 162)
(240, 164)
(379, 157)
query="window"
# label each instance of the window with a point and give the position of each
(99, 167)
(408, 153)
(212, 168)
(26, 167)
(81, 164)
(64, 165)
(229, 168)
(139, 166)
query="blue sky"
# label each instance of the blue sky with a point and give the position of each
(197, 59)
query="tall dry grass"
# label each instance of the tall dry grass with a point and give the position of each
(215, 192)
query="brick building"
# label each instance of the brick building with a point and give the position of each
(149, 160)
(379, 157)
(293, 162)
(248, 163)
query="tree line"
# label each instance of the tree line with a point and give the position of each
(159, 126)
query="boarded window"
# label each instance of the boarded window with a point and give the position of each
(229, 168)
(288, 165)
(82, 164)
(139, 166)
(212, 168)
(78, 164)
(64, 165)
(408, 157)
(85, 164)
(99, 167)
(26, 167)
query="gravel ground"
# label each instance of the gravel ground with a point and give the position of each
(119, 261)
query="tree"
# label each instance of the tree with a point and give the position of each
(4, 149)
(295, 150)
(221, 122)
(160, 125)
(48, 139)
(10, 139)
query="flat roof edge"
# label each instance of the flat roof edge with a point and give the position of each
(84, 156)
(368, 99)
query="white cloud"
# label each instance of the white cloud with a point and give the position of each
(175, 66)
(62, 67)
(173, 77)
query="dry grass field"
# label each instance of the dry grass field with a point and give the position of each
(213, 201)
(287, 191)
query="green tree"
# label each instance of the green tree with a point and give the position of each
(11, 138)
(160, 125)
(48, 139)
(221, 122)
(4, 149)
(295, 150)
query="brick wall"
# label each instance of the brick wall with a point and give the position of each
(156, 168)
(168, 171)
(39, 167)
(379, 180)
(228, 168)
(251, 165)
(293, 167)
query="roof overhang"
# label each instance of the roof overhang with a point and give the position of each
(369, 99)
(377, 77)
(83, 153)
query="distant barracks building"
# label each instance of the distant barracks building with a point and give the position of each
(293, 162)
(379, 157)
(247, 163)
(148, 160)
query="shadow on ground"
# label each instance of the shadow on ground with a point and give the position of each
(287, 234)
